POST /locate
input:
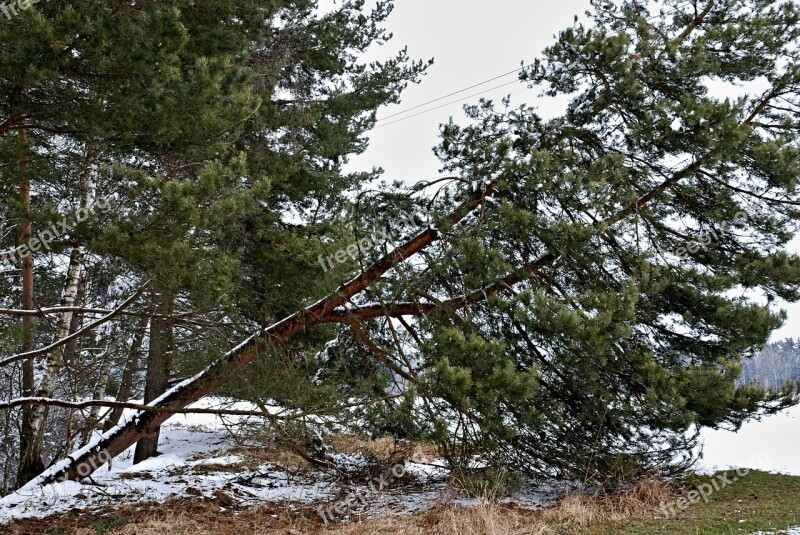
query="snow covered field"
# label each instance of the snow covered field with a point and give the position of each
(197, 461)
(194, 461)
(770, 445)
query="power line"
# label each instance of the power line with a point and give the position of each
(379, 123)
(515, 71)
(445, 105)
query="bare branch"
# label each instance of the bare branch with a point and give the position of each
(762, 197)
(121, 405)
(81, 405)
(380, 353)
(177, 318)
(77, 334)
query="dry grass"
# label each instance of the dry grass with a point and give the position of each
(174, 517)
(167, 526)
(385, 449)
(481, 520)
(446, 520)
(274, 454)
(583, 510)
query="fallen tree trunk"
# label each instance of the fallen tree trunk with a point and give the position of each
(105, 447)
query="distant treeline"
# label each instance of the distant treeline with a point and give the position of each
(778, 363)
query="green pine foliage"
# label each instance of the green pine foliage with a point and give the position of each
(216, 131)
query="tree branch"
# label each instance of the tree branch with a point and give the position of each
(694, 24)
(77, 334)
(177, 318)
(81, 405)
(761, 197)
(381, 354)
(88, 404)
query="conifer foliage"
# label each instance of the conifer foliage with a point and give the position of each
(213, 134)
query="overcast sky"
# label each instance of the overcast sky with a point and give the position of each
(470, 43)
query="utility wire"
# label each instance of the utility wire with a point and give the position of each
(445, 105)
(380, 122)
(515, 71)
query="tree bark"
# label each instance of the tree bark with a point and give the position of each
(31, 461)
(126, 383)
(158, 369)
(30, 465)
(32, 453)
(72, 361)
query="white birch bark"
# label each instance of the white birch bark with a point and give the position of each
(55, 358)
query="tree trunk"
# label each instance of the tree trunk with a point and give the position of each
(126, 384)
(38, 417)
(85, 461)
(8, 446)
(72, 353)
(120, 438)
(157, 379)
(31, 453)
(30, 464)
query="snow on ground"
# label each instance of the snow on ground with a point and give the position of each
(198, 459)
(770, 445)
(194, 461)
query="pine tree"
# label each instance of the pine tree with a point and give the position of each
(636, 225)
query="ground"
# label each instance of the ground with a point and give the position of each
(204, 482)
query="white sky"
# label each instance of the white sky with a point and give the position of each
(470, 43)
